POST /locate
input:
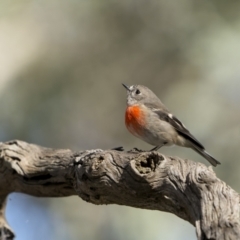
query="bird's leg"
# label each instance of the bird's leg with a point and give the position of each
(155, 148)
(158, 147)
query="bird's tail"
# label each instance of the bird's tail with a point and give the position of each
(206, 155)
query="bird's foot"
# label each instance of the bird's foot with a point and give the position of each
(118, 149)
(134, 150)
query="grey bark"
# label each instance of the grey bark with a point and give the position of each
(146, 180)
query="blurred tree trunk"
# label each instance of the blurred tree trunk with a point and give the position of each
(145, 180)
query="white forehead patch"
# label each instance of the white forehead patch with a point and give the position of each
(131, 87)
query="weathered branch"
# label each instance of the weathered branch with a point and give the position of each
(147, 180)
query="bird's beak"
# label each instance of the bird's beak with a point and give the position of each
(126, 87)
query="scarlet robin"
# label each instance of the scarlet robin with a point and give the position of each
(148, 119)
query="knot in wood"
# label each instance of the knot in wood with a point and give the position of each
(205, 175)
(98, 161)
(146, 163)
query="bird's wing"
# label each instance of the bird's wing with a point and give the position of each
(179, 127)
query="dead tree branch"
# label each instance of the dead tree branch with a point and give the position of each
(146, 180)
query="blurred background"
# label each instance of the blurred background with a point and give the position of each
(61, 68)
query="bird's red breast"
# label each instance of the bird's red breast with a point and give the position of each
(134, 120)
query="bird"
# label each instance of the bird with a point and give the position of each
(147, 118)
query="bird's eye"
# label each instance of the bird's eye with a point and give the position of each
(137, 91)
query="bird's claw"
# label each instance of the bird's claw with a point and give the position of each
(136, 150)
(118, 148)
